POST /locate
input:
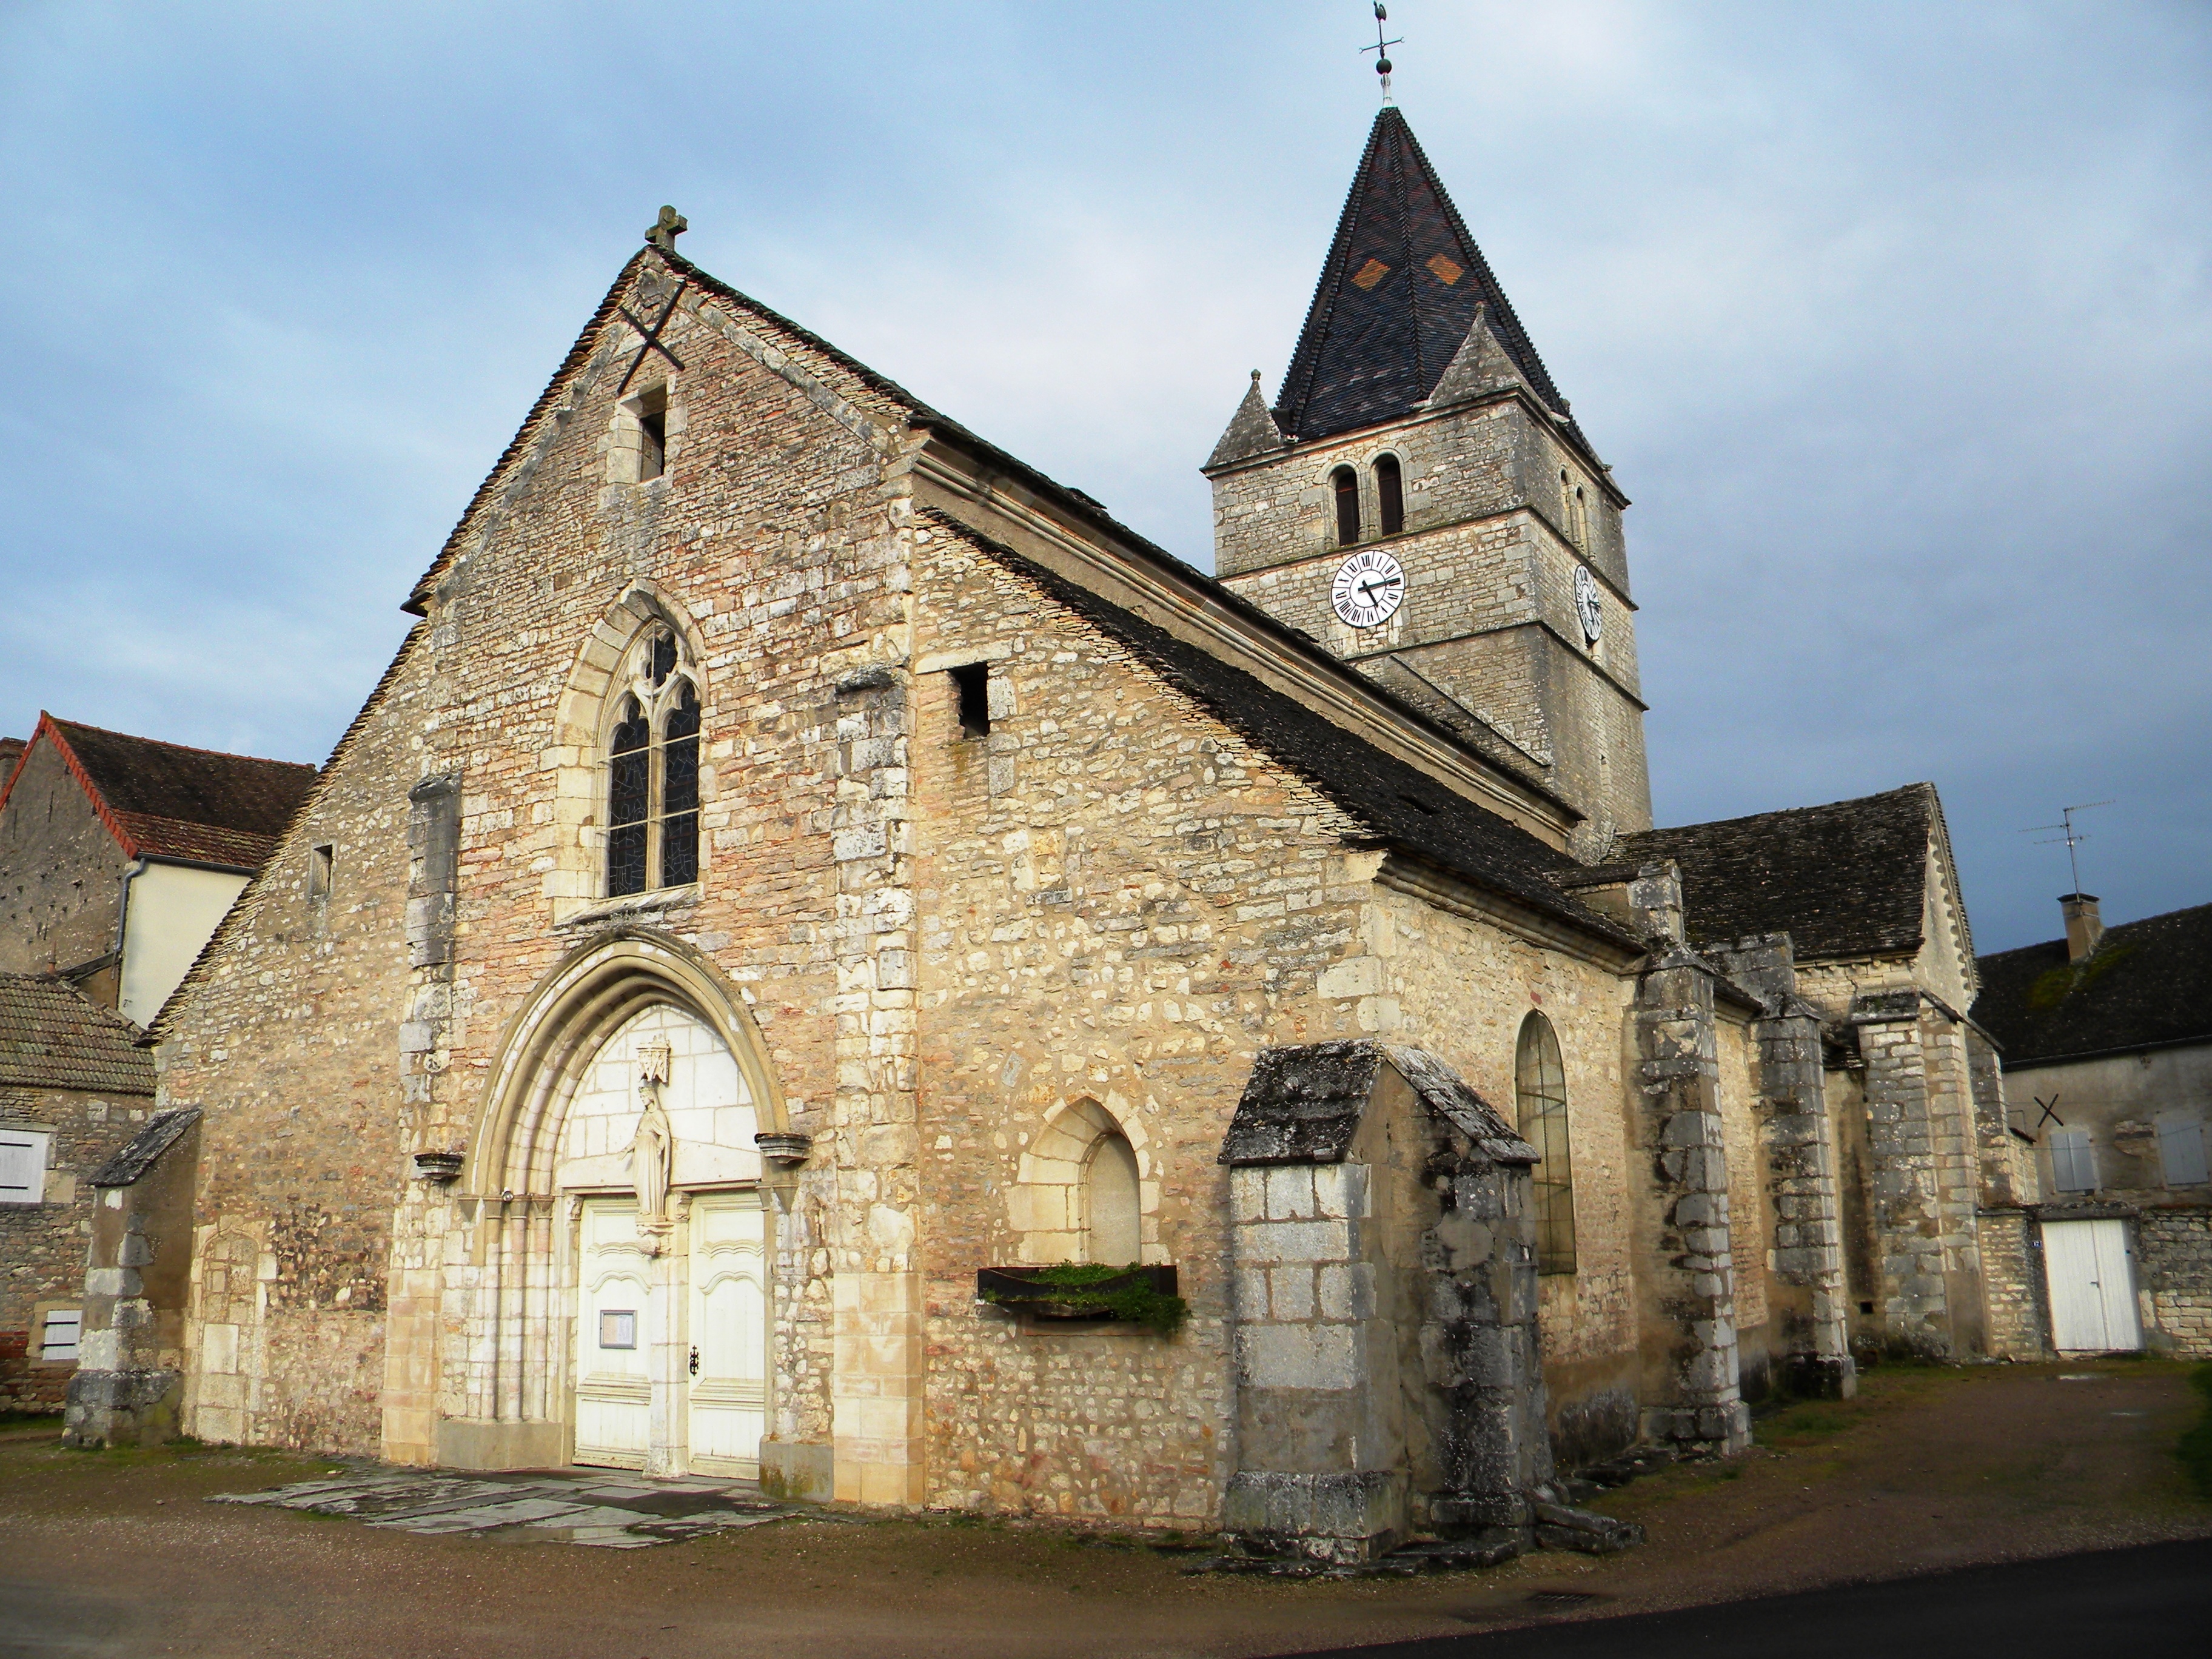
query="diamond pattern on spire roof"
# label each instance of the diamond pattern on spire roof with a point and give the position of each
(1401, 286)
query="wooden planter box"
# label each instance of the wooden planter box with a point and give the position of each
(1021, 1290)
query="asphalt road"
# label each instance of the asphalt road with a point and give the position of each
(2152, 1601)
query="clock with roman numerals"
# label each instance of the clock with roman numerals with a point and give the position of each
(1367, 589)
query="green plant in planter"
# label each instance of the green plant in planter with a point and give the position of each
(1086, 1284)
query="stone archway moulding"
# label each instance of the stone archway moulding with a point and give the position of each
(546, 1048)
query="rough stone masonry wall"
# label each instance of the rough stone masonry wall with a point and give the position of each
(1461, 987)
(1120, 902)
(2173, 1250)
(61, 873)
(2016, 1296)
(42, 1245)
(285, 1038)
(1691, 1391)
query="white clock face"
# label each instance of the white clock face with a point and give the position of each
(1367, 589)
(1589, 606)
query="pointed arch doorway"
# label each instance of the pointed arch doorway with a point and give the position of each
(633, 1323)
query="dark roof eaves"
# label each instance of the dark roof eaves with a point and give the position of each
(2038, 1063)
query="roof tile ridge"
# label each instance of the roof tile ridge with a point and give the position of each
(184, 748)
(52, 729)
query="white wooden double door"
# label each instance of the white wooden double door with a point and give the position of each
(2091, 1272)
(672, 1350)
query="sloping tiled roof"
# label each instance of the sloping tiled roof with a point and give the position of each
(1397, 294)
(164, 800)
(53, 1037)
(1847, 879)
(2146, 982)
(1401, 805)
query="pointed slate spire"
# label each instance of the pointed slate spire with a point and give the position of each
(1251, 432)
(1398, 295)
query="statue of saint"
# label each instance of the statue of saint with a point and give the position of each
(652, 1148)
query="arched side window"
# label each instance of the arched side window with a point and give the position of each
(653, 774)
(1540, 1087)
(1112, 1209)
(1389, 494)
(1345, 482)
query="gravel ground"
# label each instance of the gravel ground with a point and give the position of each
(117, 1553)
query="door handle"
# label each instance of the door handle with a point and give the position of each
(695, 1362)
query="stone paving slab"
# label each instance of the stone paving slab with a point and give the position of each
(587, 1509)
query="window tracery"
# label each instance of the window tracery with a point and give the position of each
(652, 771)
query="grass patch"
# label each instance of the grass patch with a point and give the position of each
(2195, 1449)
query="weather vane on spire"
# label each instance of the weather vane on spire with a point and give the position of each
(1382, 49)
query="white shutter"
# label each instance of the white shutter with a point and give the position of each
(22, 1165)
(2181, 1149)
(57, 1339)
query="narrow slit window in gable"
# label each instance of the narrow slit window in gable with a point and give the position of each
(973, 683)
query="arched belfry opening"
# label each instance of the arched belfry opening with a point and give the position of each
(616, 1301)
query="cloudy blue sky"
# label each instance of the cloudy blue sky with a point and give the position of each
(1894, 320)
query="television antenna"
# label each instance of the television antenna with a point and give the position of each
(1382, 49)
(2067, 834)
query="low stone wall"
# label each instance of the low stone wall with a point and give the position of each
(2173, 1258)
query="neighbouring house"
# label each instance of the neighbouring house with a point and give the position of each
(75, 1086)
(119, 854)
(2107, 1040)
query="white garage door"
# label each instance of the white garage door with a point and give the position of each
(2093, 1286)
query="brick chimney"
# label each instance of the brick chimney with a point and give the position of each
(2084, 927)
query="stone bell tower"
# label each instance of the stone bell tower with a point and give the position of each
(1420, 500)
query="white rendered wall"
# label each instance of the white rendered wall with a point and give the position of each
(172, 911)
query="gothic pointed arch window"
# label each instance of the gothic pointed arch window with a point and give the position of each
(653, 770)
(1539, 1088)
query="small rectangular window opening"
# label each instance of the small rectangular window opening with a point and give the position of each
(319, 862)
(973, 683)
(653, 429)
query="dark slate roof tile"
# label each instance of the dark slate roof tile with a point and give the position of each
(1846, 879)
(2146, 982)
(144, 1149)
(53, 1037)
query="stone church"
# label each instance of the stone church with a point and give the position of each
(806, 878)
